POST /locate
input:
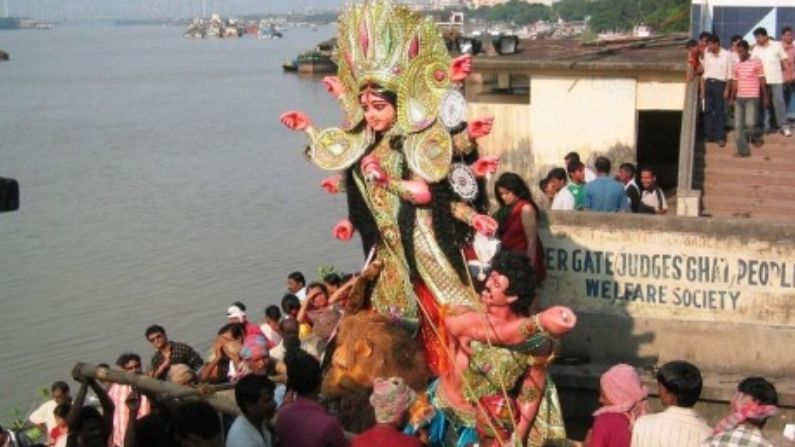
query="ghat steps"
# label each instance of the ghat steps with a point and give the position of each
(758, 187)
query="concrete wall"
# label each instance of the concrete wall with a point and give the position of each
(648, 290)
(591, 113)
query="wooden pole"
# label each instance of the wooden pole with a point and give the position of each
(159, 388)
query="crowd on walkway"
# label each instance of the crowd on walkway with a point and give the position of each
(754, 83)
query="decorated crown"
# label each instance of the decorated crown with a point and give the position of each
(398, 50)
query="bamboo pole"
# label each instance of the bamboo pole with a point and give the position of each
(157, 387)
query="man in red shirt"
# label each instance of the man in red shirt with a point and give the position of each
(391, 400)
(747, 81)
(304, 422)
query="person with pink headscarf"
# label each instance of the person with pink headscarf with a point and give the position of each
(623, 400)
(391, 400)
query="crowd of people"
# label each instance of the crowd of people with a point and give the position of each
(275, 370)
(755, 83)
(302, 420)
(631, 189)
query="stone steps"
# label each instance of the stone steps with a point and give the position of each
(759, 187)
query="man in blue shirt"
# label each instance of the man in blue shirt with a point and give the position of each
(604, 193)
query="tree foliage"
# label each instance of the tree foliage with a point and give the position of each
(605, 15)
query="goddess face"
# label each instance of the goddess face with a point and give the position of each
(379, 113)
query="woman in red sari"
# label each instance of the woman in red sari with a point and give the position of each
(518, 220)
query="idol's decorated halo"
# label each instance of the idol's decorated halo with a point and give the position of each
(390, 47)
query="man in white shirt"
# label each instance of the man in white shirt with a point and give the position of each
(652, 199)
(296, 284)
(556, 182)
(679, 425)
(717, 72)
(254, 397)
(43, 417)
(774, 60)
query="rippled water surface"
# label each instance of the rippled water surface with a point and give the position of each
(157, 187)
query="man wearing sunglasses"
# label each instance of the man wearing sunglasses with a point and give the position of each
(168, 353)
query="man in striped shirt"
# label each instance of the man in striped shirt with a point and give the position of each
(747, 81)
(679, 425)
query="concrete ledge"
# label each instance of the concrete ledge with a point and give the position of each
(716, 228)
(578, 388)
(718, 387)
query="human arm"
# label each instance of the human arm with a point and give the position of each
(557, 320)
(210, 369)
(530, 227)
(39, 417)
(302, 316)
(133, 403)
(342, 291)
(162, 369)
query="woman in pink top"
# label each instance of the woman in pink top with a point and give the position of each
(623, 400)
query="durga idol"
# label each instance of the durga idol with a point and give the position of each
(407, 161)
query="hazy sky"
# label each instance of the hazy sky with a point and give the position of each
(103, 9)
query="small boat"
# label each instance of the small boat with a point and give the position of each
(290, 66)
(314, 62)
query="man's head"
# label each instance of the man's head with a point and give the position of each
(576, 172)
(703, 40)
(255, 354)
(272, 313)
(570, 157)
(196, 424)
(4, 435)
(295, 282)
(556, 179)
(289, 327)
(742, 50)
(156, 336)
(679, 384)
(760, 35)
(60, 412)
(232, 332)
(333, 282)
(626, 173)
(291, 304)
(736, 38)
(757, 392)
(648, 179)
(511, 282)
(130, 362)
(254, 396)
(786, 35)
(602, 165)
(692, 47)
(235, 314)
(713, 43)
(303, 373)
(59, 392)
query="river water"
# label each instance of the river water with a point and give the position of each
(157, 187)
